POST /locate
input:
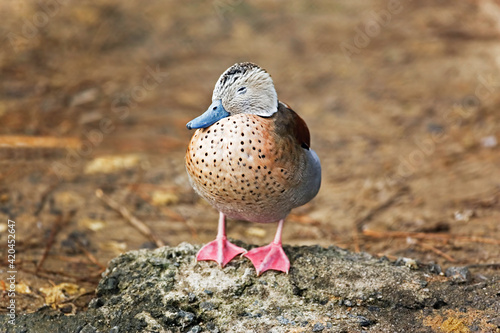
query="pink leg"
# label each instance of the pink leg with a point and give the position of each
(220, 250)
(270, 256)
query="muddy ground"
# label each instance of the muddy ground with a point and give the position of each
(402, 100)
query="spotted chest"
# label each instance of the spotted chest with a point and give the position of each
(241, 168)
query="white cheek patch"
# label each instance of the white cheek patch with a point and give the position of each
(260, 98)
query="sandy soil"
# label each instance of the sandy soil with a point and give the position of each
(401, 100)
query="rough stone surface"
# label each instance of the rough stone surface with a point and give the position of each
(327, 290)
(458, 274)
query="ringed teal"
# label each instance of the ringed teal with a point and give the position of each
(250, 158)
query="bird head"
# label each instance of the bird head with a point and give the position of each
(242, 88)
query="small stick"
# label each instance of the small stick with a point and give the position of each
(43, 198)
(383, 206)
(53, 232)
(38, 141)
(58, 225)
(165, 210)
(134, 221)
(491, 265)
(90, 256)
(436, 251)
(74, 298)
(146, 197)
(48, 274)
(178, 217)
(72, 260)
(359, 223)
(355, 238)
(424, 235)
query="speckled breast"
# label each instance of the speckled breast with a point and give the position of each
(239, 167)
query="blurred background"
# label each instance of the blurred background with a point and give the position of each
(401, 98)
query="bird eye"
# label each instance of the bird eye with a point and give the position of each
(242, 90)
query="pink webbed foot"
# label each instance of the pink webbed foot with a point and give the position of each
(220, 250)
(268, 257)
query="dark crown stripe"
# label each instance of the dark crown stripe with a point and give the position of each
(240, 68)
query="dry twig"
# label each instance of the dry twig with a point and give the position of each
(429, 236)
(90, 256)
(493, 265)
(58, 225)
(43, 198)
(169, 213)
(436, 251)
(63, 276)
(134, 221)
(76, 297)
(38, 141)
(360, 222)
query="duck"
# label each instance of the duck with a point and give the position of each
(251, 159)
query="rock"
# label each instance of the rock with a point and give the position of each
(408, 262)
(195, 329)
(318, 327)
(327, 290)
(282, 320)
(458, 274)
(191, 297)
(435, 268)
(364, 322)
